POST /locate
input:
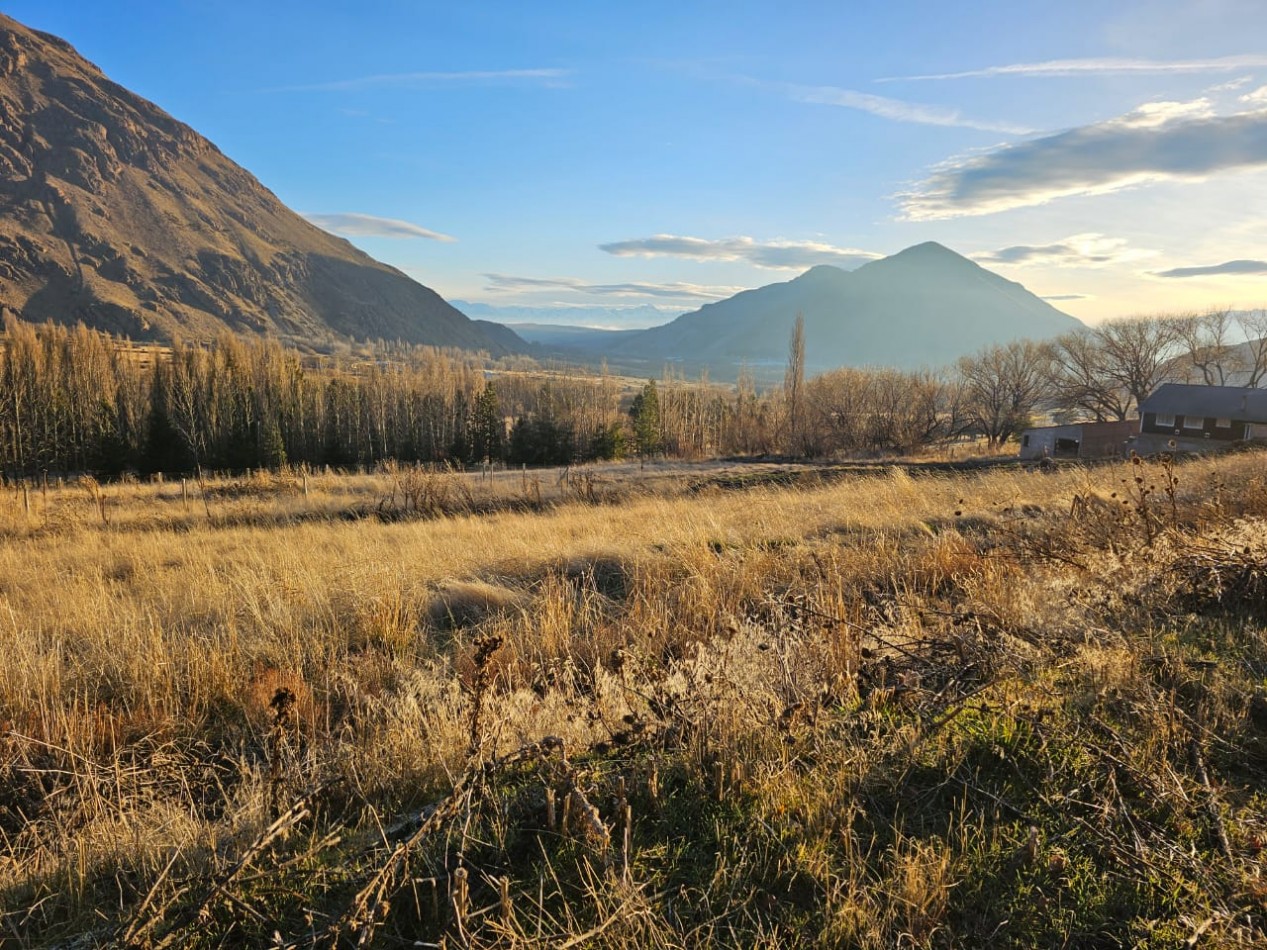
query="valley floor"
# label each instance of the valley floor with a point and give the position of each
(681, 706)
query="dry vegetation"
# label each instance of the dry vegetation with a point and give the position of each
(1013, 708)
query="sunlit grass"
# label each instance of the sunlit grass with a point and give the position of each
(904, 687)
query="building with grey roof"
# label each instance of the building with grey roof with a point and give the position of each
(1183, 418)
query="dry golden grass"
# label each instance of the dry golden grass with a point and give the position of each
(850, 668)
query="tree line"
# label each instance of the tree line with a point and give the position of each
(76, 400)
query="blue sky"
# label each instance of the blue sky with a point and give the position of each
(1112, 156)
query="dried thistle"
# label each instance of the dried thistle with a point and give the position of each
(278, 745)
(485, 647)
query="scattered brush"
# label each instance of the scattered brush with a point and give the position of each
(98, 496)
(258, 485)
(1226, 571)
(426, 491)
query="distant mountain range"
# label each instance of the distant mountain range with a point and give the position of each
(115, 214)
(609, 318)
(555, 336)
(924, 306)
(576, 332)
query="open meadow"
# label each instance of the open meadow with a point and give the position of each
(688, 706)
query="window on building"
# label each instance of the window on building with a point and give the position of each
(1223, 423)
(1166, 421)
(1025, 441)
(1193, 422)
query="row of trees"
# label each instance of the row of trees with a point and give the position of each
(77, 400)
(74, 400)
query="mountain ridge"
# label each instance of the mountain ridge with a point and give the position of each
(923, 306)
(115, 214)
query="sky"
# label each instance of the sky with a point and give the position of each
(1111, 157)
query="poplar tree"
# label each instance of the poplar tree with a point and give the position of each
(487, 428)
(645, 413)
(794, 387)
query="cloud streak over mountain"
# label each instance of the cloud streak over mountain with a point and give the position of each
(1215, 270)
(1102, 66)
(1156, 142)
(775, 255)
(503, 283)
(1078, 250)
(352, 224)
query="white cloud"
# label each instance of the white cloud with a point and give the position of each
(1152, 115)
(1215, 270)
(896, 109)
(1232, 84)
(1257, 97)
(504, 283)
(1077, 250)
(549, 77)
(776, 255)
(1067, 297)
(1104, 66)
(367, 225)
(1157, 142)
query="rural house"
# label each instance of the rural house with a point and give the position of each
(1081, 440)
(1182, 418)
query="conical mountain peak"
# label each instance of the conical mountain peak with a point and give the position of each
(924, 306)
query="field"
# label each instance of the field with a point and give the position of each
(685, 706)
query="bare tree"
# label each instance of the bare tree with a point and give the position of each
(1206, 340)
(1080, 379)
(1003, 386)
(794, 387)
(1139, 354)
(1253, 326)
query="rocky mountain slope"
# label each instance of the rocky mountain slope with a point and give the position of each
(924, 306)
(115, 214)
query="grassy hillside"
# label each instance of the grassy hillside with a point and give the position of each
(1012, 708)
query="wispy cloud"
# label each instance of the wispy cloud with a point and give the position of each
(1077, 250)
(1231, 85)
(506, 283)
(367, 225)
(897, 109)
(1067, 297)
(1101, 66)
(1215, 270)
(547, 77)
(1159, 141)
(776, 255)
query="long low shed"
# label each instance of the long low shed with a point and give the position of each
(1079, 440)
